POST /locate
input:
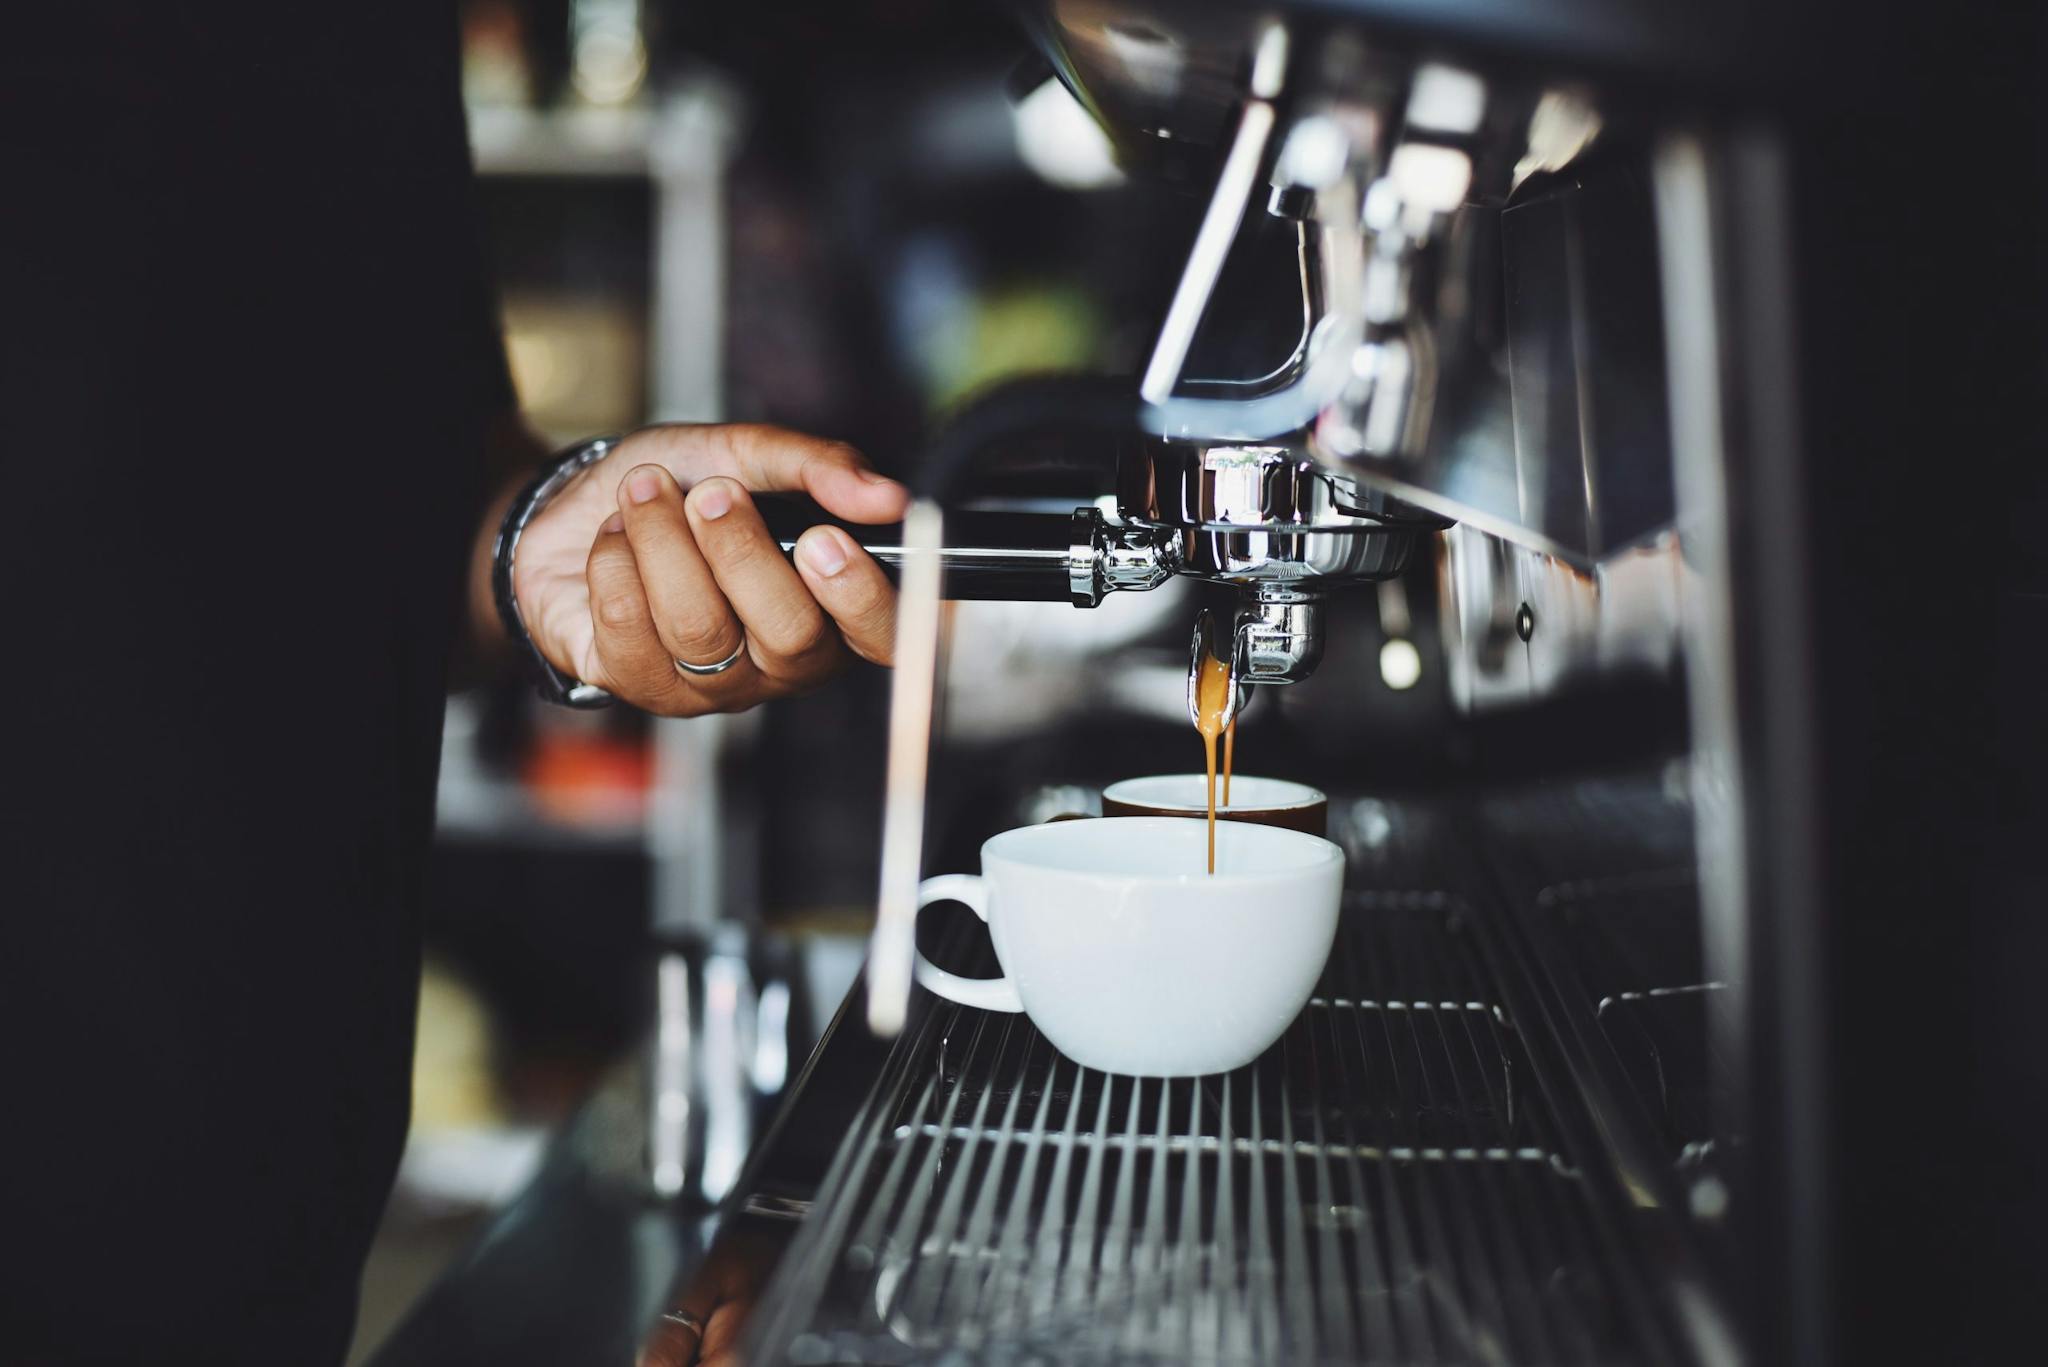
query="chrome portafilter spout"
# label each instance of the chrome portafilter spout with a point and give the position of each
(1275, 526)
(1276, 638)
(1203, 649)
(1279, 634)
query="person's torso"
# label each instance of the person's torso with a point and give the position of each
(244, 360)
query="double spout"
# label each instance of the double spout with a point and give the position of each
(1277, 637)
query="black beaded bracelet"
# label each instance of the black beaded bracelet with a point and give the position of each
(553, 477)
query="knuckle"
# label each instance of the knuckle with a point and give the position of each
(874, 637)
(620, 609)
(655, 522)
(742, 552)
(747, 444)
(610, 559)
(866, 606)
(827, 457)
(794, 631)
(869, 595)
(881, 613)
(810, 635)
(701, 641)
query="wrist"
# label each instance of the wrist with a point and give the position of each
(554, 480)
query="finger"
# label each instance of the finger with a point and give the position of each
(690, 613)
(673, 1343)
(788, 636)
(670, 1344)
(631, 659)
(722, 1333)
(775, 459)
(850, 586)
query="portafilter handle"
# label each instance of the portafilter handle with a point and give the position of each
(1001, 555)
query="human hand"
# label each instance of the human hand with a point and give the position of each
(657, 555)
(706, 1316)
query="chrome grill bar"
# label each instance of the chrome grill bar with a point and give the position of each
(1211, 1144)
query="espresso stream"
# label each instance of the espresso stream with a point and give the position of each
(1212, 699)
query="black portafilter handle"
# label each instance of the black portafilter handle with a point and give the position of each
(1017, 557)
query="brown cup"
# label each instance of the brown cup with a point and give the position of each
(1261, 801)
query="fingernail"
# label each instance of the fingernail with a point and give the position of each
(874, 477)
(642, 486)
(822, 553)
(614, 524)
(714, 502)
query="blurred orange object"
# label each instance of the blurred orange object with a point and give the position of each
(589, 779)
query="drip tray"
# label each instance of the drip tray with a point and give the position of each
(1387, 1184)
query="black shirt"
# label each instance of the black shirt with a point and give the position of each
(244, 367)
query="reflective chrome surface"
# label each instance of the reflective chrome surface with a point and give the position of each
(1279, 635)
(1482, 334)
(1520, 626)
(1003, 554)
(1270, 486)
(1105, 558)
(1267, 519)
(1386, 409)
(1249, 558)
(1219, 226)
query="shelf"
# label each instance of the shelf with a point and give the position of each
(510, 141)
(684, 137)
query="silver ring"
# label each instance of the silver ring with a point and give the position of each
(704, 671)
(687, 1320)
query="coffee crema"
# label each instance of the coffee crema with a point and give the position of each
(1212, 700)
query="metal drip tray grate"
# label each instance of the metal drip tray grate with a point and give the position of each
(1385, 1185)
(1636, 951)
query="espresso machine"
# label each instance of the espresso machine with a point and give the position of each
(1514, 1123)
(1579, 1080)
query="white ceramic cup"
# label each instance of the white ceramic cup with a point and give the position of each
(1130, 957)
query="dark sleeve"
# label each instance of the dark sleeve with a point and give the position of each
(496, 393)
(245, 334)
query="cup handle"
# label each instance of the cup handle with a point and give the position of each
(989, 994)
